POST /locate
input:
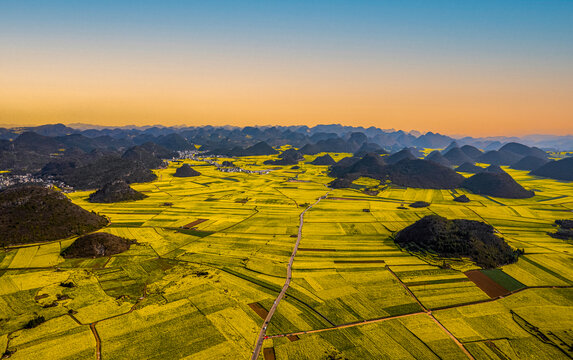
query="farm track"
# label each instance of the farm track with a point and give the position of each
(372, 321)
(347, 325)
(429, 313)
(263, 285)
(93, 324)
(97, 339)
(503, 296)
(426, 310)
(262, 333)
(342, 326)
(141, 299)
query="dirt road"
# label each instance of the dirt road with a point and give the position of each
(281, 295)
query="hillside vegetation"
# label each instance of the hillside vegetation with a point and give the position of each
(97, 245)
(499, 184)
(560, 170)
(324, 160)
(186, 170)
(406, 172)
(457, 238)
(35, 214)
(565, 230)
(115, 191)
(99, 171)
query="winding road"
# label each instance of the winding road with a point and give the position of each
(262, 333)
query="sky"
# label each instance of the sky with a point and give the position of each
(467, 67)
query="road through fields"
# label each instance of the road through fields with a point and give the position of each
(281, 295)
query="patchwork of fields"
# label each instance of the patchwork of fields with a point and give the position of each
(212, 256)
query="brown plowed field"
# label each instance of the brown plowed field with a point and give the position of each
(292, 337)
(261, 311)
(269, 353)
(484, 282)
(194, 223)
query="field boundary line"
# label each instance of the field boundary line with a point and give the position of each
(267, 286)
(455, 339)
(364, 322)
(347, 325)
(291, 199)
(256, 211)
(431, 316)
(407, 289)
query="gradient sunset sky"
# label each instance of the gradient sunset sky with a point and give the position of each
(455, 67)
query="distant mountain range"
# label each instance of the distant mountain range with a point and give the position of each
(89, 158)
(180, 137)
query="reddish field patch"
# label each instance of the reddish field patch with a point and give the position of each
(292, 337)
(261, 311)
(486, 284)
(269, 353)
(194, 223)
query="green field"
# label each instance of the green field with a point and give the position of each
(185, 293)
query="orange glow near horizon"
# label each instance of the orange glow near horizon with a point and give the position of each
(476, 108)
(364, 74)
(229, 86)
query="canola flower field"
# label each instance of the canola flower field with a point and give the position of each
(202, 291)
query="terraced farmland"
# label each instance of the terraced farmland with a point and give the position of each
(212, 254)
